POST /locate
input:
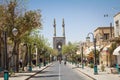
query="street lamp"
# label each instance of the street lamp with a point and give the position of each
(82, 55)
(44, 55)
(6, 74)
(36, 54)
(15, 32)
(30, 65)
(95, 61)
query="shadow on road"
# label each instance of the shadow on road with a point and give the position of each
(76, 67)
(43, 76)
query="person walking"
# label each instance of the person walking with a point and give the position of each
(20, 63)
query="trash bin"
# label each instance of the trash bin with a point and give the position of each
(117, 66)
(29, 68)
(6, 75)
(39, 65)
(95, 69)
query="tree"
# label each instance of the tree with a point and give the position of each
(70, 51)
(38, 41)
(111, 49)
(24, 22)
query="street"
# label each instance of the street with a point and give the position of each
(59, 71)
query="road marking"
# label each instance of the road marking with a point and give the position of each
(59, 73)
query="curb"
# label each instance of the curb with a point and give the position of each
(87, 75)
(38, 72)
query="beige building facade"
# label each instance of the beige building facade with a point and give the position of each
(117, 35)
(103, 36)
(117, 25)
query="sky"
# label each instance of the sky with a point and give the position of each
(80, 16)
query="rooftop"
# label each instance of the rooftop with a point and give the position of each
(103, 28)
(116, 14)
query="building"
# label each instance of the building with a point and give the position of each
(58, 42)
(103, 36)
(117, 36)
(117, 24)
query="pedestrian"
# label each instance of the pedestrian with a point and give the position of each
(64, 62)
(20, 63)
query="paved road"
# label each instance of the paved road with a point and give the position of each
(59, 71)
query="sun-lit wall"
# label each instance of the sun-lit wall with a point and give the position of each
(117, 24)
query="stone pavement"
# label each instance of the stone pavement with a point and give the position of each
(106, 75)
(26, 75)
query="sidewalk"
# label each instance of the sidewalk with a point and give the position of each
(26, 75)
(106, 75)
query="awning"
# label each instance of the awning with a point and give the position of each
(90, 49)
(106, 48)
(116, 51)
(87, 51)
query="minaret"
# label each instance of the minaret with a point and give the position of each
(54, 25)
(63, 25)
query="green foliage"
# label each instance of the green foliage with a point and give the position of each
(25, 23)
(70, 51)
(112, 47)
(91, 65)
(102, 67)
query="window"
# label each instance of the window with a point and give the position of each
(106, 36)
(117, 23)
(117, 27)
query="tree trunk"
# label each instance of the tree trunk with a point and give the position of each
(1, 52)
(110, 60)
(17, 60)
(25, 58)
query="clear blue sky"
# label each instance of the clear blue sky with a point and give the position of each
(81, 16)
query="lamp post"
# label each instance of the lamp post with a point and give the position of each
(6, 74)
(82, 55)
(15, 32)
(36, 54)
(95, 61)
(30, 65)
(44, 55)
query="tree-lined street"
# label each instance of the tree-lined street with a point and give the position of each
(28, 51)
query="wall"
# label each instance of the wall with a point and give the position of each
(117, 30)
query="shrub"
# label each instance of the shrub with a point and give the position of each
(91, 65)
(102, 67)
